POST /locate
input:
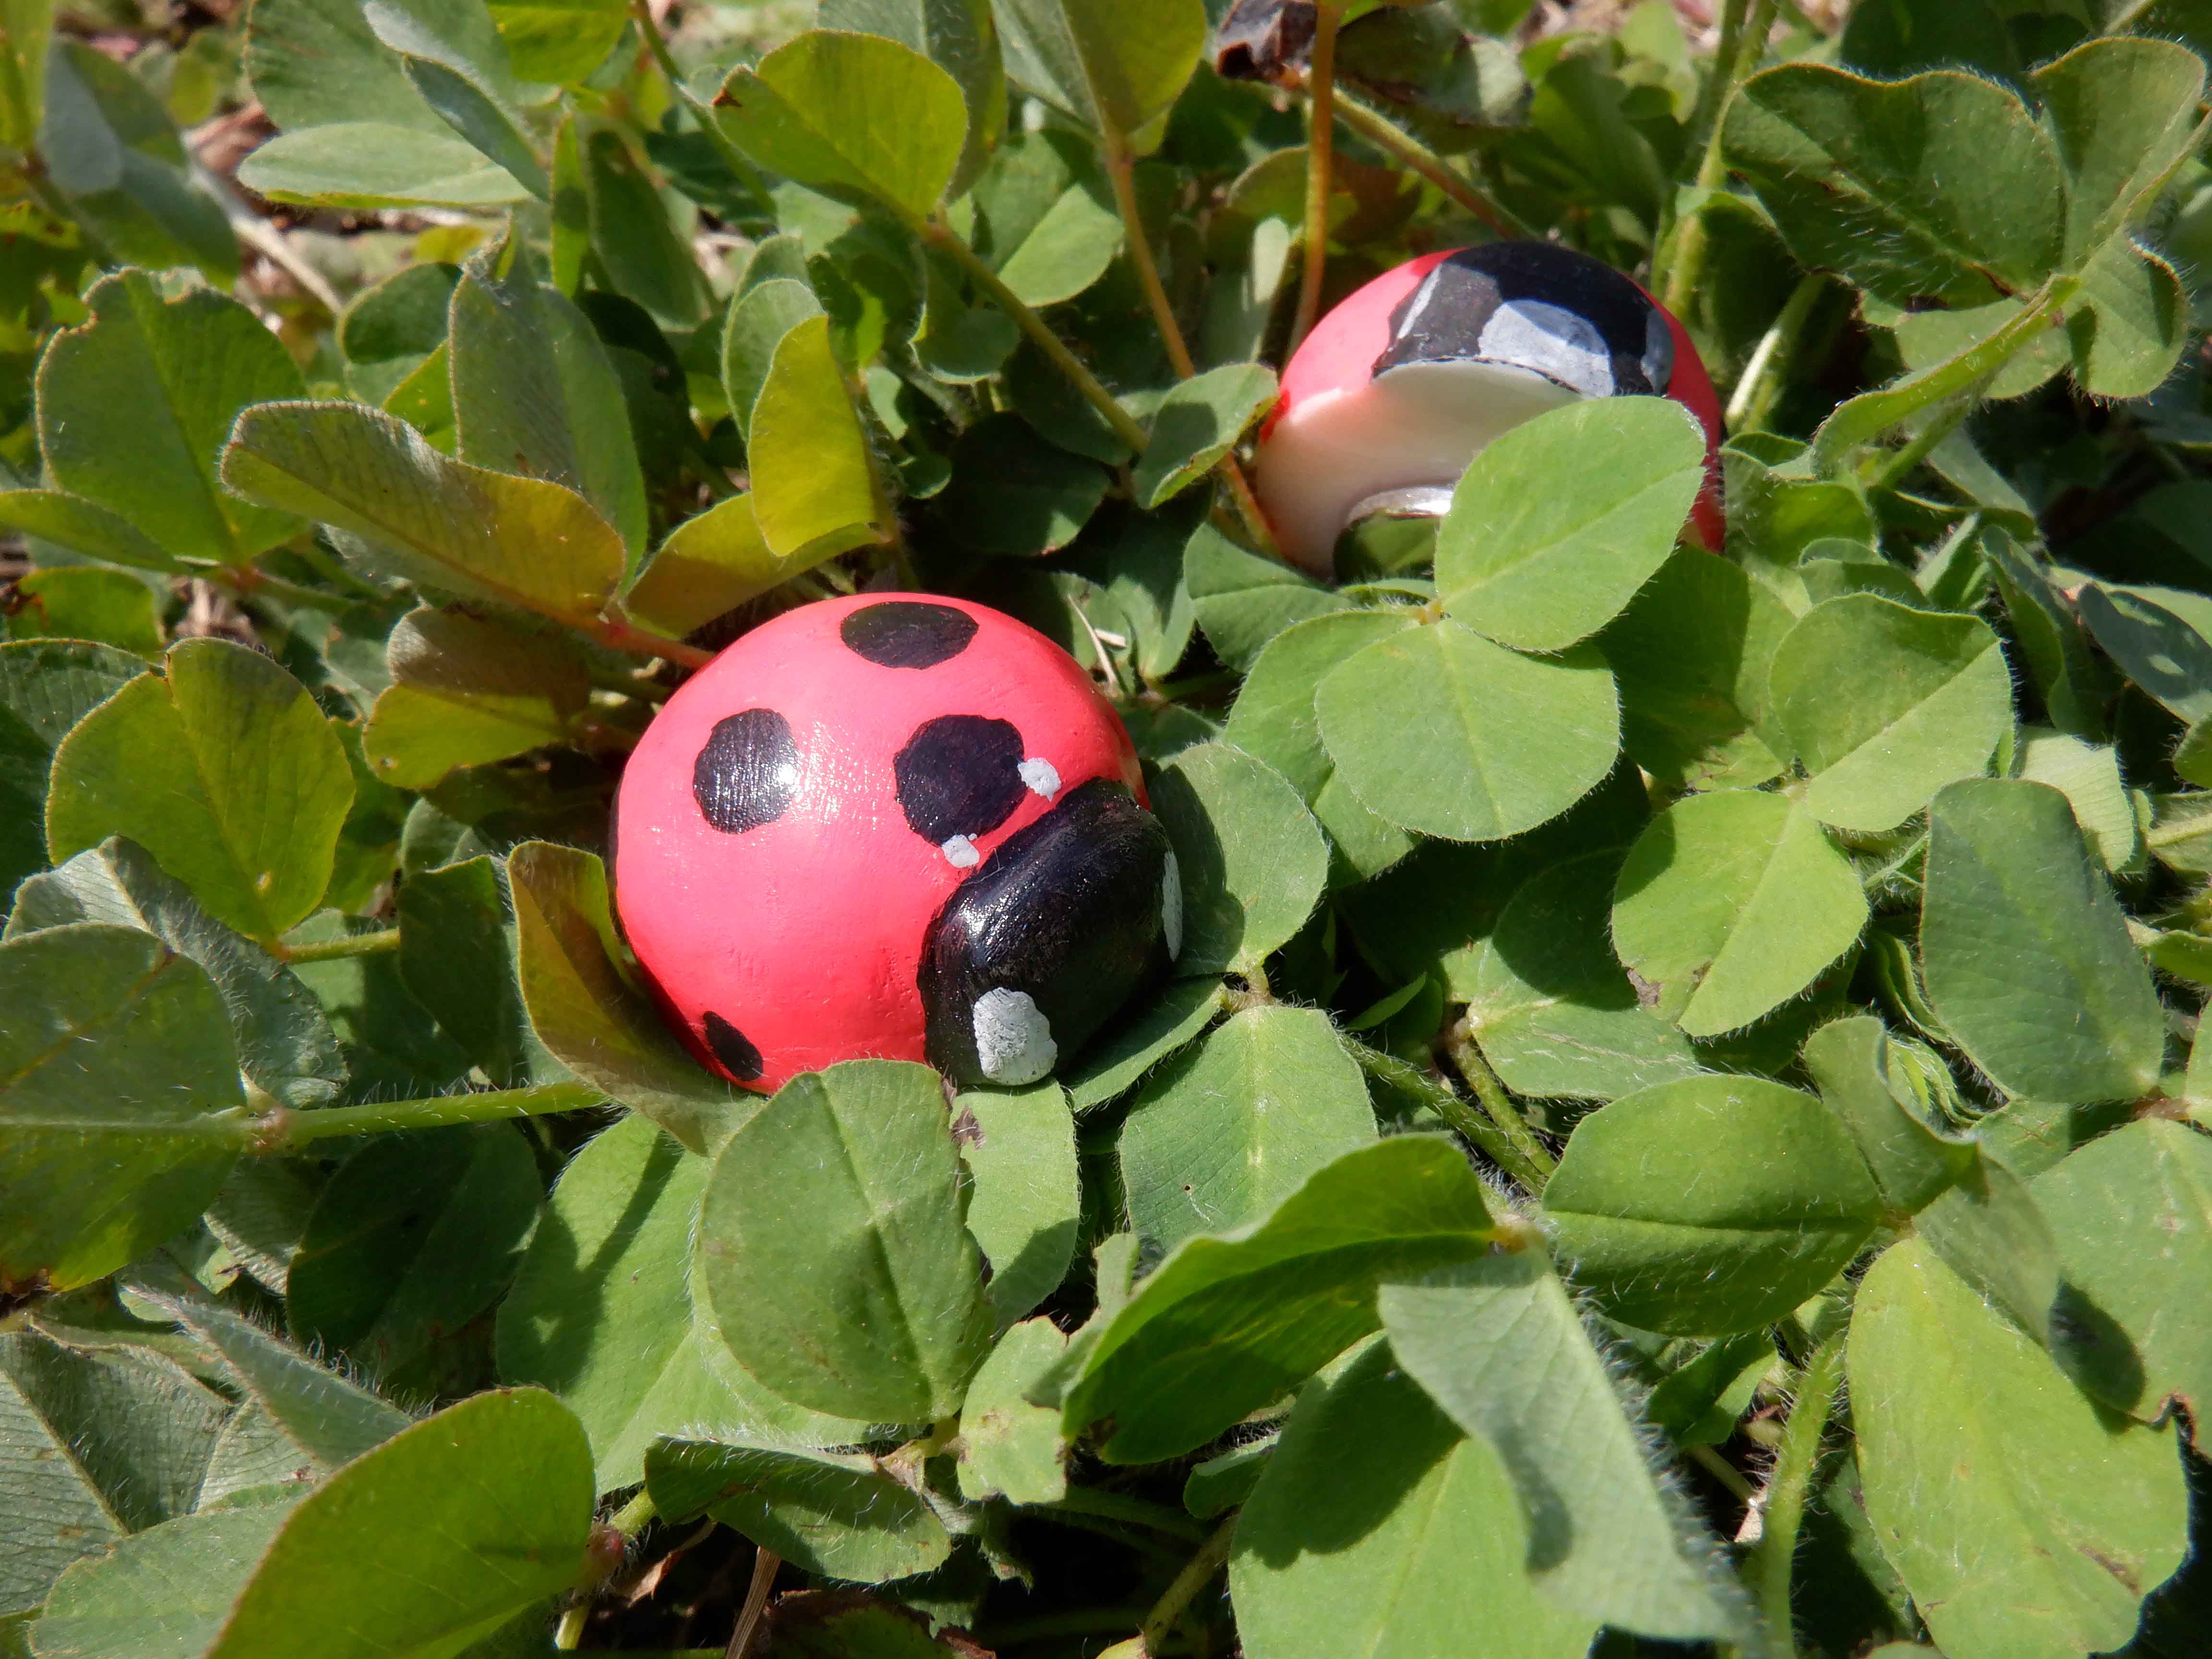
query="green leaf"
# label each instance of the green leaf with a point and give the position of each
(72, 522)
(523, 542)
(559, 42)
(100, 1443)
(1253, 860)
(466, 691)
(590, 1010)
(225, 770)
(1019, 1149)
(815, 488)
(1730, 904)
(1046, 219)
(1144, 1037)
(2025, 1522)
(1225, 1325)
(314, 62)
(840, 1516)
(1014, 496)
(25, 30)
(2121, 112)
(457, 955)
(1442, 732)
(1841, 163)
(1496, 1343)
(832, 1251)
(2160, 652)
(1380, 1527)
(1539, 551)
(2026, 953)
(367, 164)
(414, 1235)
(1699, 1402)
(285, 1045)
(1199, 422)
(1851, 1064)
(759, 318)
(1887, 704)
(633, 237)
(1551, 1009)
(1691, 654)
(322, 1421)
(115, 1059)
(1116, 66)
(956, 35)
(2088, 775)
(857, 116)
(163, 1592)
(430, 1542)
(111, 607)
(1010, 1447)
(1709, 1204)
(1239, 1121)
(2133, 323)
(2133, 1215)
(134, 406)
(47, 686)
(2049, 637)
(534, 393)
(709, 566)
(601, 1312)
(1243, 600)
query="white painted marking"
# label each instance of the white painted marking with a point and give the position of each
(1013, 1040)
(1171, 908)
(960, 852)
(1041, 776)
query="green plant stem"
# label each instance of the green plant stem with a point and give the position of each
(331, 569)
(632, 1517)
(1873, 413)
(353, 945)
(1686, 254)
(2127, 16)
(1763, 375)
(245, 583)
(1121, 169)
(1196, 1574)
(1898, 465)
(1468, 1059)
(942, 237)
(1385, 135)
(1117, 1506)
(569, 1634)
(618, 634)
(288, 1131)
(1788, 1487)
(725, 146)
(1321, 130)
(1463, 1119)
(1723, 1470)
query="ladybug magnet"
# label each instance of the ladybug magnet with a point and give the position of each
(1403, 383)
(897, 825)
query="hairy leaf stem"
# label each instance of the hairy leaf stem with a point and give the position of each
(1468, 1060)
(1789, 1487)
(1683, 258)
(1761, 382)
(1197, 1573)
(287, 1131)
(1386, 134)
(1320, 129)
(725, 146)
(1446, 1102)
(353, 945)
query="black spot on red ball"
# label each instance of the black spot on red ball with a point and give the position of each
(1541, 307)
(907, 634)
(960, 775)
(1066, 912)
(747, 771)
(736, 1052)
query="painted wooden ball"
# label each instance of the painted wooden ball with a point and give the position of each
(1405, 380)
(897, 825)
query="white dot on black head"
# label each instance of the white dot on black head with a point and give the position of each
(747, 771)
(1013, 1039)
(960, 775)
(906, 632)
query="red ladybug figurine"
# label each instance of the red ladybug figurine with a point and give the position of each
(1400, 385)
(897, 825)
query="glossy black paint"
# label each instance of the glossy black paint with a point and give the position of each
(959, 774)
(733, 1048)
(1067, 911)
(906, 632)
(746, 772)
